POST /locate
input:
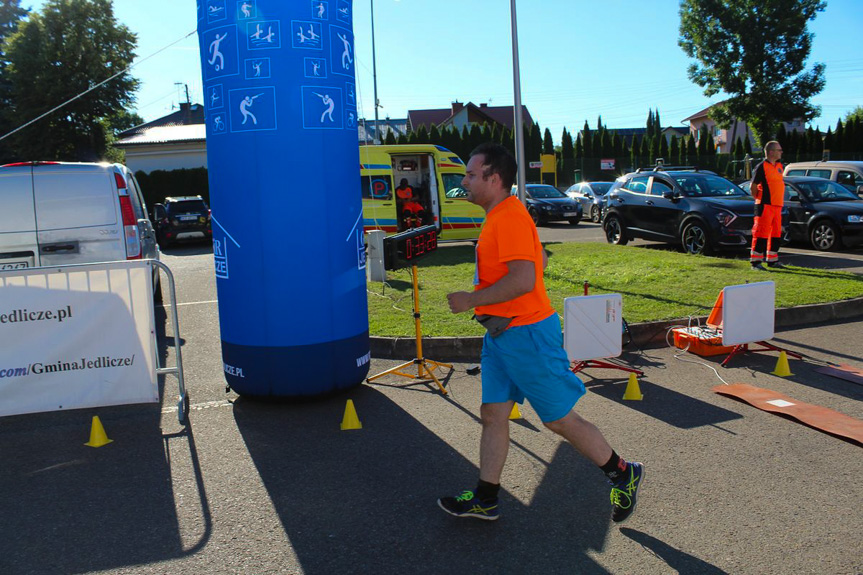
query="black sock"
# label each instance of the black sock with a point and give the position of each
(615, 468)
(486, 491)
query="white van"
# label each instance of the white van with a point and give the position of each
(57, 213)
(847, 174)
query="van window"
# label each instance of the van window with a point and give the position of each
(16, 197)
(75, 199)
(849, 179)
(820, 174)
(137, 199)
(795, 173)
(452, 186)
(377, 187)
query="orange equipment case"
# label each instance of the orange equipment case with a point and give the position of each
(704, 341)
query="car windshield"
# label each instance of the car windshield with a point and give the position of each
(545, 192)
(186, 206)
(705, 186)
(600, 188)
(825, 191)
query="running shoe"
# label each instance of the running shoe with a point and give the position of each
(467, 505)
(624, 492)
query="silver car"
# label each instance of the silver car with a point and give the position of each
(589, 195)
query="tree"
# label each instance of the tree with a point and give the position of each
(11, 15)
(855, 113)
(57, 54)
(756, 51)
(547, 142)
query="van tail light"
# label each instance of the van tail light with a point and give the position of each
(130, 229)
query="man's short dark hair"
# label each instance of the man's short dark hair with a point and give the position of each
(497, 160)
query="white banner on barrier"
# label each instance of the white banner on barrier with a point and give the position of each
(78, 336)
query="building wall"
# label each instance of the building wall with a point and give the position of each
(149, 158)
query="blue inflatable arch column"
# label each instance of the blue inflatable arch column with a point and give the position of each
(281, 105)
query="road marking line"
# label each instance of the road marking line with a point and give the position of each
(200, 406)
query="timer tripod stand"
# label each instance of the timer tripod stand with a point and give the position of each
(425, 367)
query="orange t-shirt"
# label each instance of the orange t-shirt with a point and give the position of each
(508, 235)
(405, 193)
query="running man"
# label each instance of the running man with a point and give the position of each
(522, 353)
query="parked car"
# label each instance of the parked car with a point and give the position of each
(699, 210)
(181, 218)
(589, 195)
(548, 204)
(61, 213)
(822, 213)
(847, 174)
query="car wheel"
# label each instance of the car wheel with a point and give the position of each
(594, 214)
(534, 216)
(573, 221)
(695, 239)
(615, 232)
(824, 236)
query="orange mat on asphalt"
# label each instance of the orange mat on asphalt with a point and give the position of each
(845, 372)
(820, 418)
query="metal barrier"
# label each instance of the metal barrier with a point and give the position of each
(183, 402)
(6, 279)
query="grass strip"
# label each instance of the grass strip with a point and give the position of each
(656, 284)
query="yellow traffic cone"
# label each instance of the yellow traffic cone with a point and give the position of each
(632, 390)
(98, 438)
(515, 413)
(782, 369)
(350, 420)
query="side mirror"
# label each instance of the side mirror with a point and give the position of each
(670, 195)
(860, 190)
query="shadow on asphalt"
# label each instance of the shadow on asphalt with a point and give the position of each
(666, 405)
(675, 558)
(191, 248)
(69, 508)
(364, 501)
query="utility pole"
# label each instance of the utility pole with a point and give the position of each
(375, 79)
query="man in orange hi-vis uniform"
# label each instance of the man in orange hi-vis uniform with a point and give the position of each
(522, 352)
(768, 189)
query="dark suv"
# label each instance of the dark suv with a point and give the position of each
(694, 208)
(186, 217)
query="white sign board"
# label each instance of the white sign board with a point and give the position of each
(534, 164)
(606, 164)
(748, 313)
(593, 326)
(77, 336)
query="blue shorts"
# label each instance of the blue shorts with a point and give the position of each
(529, 361)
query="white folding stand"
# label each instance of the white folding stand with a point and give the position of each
(748, 312)
(593, 331)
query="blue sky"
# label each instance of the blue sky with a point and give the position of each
(579, 58)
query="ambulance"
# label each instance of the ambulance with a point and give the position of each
(434, 173)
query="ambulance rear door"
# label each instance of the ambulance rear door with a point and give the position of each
(434, 190)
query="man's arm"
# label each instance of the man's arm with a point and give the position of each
(520, 280)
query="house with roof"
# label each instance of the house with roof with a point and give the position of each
(460, 115)
(370, 130)
(723, 139)
(173, 142)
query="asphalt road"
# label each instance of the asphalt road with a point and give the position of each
(256, 488)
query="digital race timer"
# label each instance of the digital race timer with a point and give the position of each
(406, 248)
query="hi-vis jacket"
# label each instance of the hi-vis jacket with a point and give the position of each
(768, 186)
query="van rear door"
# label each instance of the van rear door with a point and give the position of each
(18, 242)
(77, 214)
